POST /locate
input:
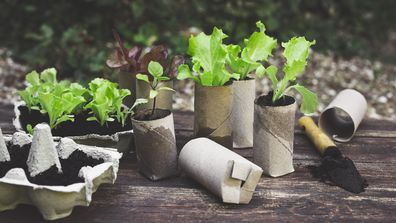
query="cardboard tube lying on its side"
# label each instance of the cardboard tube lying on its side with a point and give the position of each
(341, 118)
(212, 113)
(223, 172)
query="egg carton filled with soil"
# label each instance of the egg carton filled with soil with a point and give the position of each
(53, 176)
(113, 134)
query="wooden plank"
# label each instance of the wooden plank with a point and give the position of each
(296, 197)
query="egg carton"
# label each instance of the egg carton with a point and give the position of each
(53, 201)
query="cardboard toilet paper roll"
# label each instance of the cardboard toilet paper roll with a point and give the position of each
(341, 118)
(212, 113)
(242, 113)
(223, 172)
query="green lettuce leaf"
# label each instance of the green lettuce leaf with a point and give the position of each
(310, 100)
(208, 58)
(296, 53)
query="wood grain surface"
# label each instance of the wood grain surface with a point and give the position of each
(296, 197)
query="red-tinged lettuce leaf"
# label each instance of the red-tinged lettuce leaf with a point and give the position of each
(134, 53)
(158, 54)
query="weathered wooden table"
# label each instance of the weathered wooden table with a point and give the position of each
(296, 197)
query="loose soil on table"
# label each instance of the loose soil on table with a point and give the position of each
(70, 167)
(79, 127)
(148, 115)
(336, 169)
(266, 100)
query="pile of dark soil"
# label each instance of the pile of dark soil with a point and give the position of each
(149, 115)
(266, 100)
(70, 167)
(79, 127)
(338, 170)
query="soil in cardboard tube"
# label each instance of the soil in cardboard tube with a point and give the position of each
(338, 170)
(79, 127)
(148, 115)
(266, 100)
(70, 167)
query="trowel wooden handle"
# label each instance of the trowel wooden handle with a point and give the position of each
(319, 139)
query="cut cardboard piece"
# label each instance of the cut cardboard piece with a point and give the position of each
(273, 138)
(212, 113)
(156, 150)
(341, 118)
(127, 80)
(164, 99)
(122, 141)
(55, 202)
(42, 154)
(221, 171)
(4, 154)
(244, 93)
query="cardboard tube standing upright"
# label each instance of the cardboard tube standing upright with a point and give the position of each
(223, 172)
(273, 137)
(127, 80)
(155, 145)
(243, 112)
(341, 118)
(164, 99)
(212, 113)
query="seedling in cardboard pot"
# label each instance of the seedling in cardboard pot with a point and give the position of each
(213, 91)
(274, 133)
(244, 63)
(154, 131)
(155, 81)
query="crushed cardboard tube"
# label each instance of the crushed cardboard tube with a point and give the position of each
(243, 113)
(164, 99)
(273, 138)
(212, 113)
(341, 118)
(155, 144)
(223, 172)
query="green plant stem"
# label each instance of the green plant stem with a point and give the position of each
(280, 91)
(152, 111)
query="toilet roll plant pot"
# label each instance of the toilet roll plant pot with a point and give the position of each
(53, 176)
(212, 113)
(274, 134)
(244, 93)
(164, 99)
(155, 143)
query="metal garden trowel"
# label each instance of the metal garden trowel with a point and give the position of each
(335, 168)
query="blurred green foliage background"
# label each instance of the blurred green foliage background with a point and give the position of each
(75, 35)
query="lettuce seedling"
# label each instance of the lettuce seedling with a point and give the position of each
(295, 52)
(106, 103)
(209, 56)
(258, 47)
(57, 99)
(157, 75)
(133, 61)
